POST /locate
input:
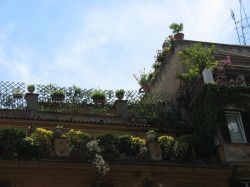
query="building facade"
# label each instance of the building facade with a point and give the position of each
(215, 117)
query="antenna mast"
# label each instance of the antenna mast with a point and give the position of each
(242, 26)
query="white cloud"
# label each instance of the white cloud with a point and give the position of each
(111, 43)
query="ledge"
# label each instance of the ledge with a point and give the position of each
(64, 117)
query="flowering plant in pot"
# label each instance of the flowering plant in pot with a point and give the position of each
(120, 94)
(144, 80)
(31, 88)
(98, 97)
(176, 29)
(58, 95)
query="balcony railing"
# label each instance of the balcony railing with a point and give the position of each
(136, 105)
(232, 75)
(224, 75)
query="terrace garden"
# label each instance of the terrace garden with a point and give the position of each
(142, 107)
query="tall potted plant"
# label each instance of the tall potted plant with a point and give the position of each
(98, 97)
(144, 80)
(31, 88)
(58, 95)
(120, 94)
(176, 29)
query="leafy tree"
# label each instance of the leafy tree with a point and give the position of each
(197, 58)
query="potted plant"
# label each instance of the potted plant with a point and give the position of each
(120, 94)
(58, 95)
(176, 29)
(17, 93)
(144, 80)
(31, 88)
(98, 97)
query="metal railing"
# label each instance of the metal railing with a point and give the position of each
(141, 106)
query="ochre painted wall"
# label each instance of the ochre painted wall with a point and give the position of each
(66, 174)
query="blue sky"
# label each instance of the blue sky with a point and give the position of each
(100, 44)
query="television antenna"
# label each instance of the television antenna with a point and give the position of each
(242, 25)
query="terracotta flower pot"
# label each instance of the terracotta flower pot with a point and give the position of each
(179, 36)
(145, 88)
(120, 96)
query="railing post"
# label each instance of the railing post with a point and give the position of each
(121, 108)
(32, 101)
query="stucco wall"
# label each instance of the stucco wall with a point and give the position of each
(166, 80)
(236, 152)
(60, 174)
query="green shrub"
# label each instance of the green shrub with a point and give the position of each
(109, 146)
(125, 144)
(10, 140)
(42, 139)
(77, 144)
(58, 93)
(183, 148)
(139, 149)
(98, 94)
(27, 149)
(167, 143)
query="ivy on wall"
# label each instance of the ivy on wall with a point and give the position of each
(208, 114)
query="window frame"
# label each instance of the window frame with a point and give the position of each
(241, 126)
(247, 184)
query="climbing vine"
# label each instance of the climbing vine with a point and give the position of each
(207, 113)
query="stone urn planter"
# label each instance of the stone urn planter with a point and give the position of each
(151, 136)
(58, 131)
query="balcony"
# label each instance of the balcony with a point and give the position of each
(227, 75)
(136, 107)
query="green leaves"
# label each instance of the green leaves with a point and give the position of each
(196, 59)
(176, 28)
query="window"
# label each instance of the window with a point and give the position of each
(235, 126)
(244, 184)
